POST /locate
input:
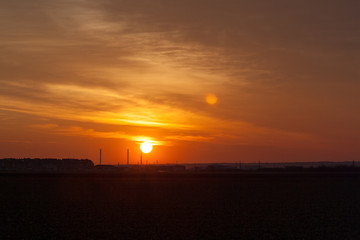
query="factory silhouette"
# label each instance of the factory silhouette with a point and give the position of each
(67, 165)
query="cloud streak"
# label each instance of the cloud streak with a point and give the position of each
(286, 73)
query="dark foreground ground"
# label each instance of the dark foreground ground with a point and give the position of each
(245, 206)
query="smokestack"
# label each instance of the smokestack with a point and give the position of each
(100, 156)
(127, 159)
(140, 158)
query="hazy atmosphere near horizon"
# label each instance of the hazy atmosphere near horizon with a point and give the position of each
(201, 80)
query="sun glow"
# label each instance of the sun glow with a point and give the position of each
(146, 147)
(211, 99)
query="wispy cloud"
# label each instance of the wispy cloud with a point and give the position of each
(285, 73)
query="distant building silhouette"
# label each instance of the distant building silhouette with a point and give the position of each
(48, 164)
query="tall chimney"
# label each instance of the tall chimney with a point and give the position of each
(127, 159)
(100, 156)
(140, 158)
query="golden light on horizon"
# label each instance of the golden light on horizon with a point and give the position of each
(146, 147)
(211, 99)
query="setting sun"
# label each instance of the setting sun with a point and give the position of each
(146, 147)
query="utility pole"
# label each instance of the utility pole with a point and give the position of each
(127, 158)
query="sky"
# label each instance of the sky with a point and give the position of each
(202, 80)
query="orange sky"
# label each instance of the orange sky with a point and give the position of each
(205, 81)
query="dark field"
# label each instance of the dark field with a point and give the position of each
(245, 206)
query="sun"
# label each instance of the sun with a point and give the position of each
(146, 147)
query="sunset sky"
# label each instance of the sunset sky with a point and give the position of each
(203, 80)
